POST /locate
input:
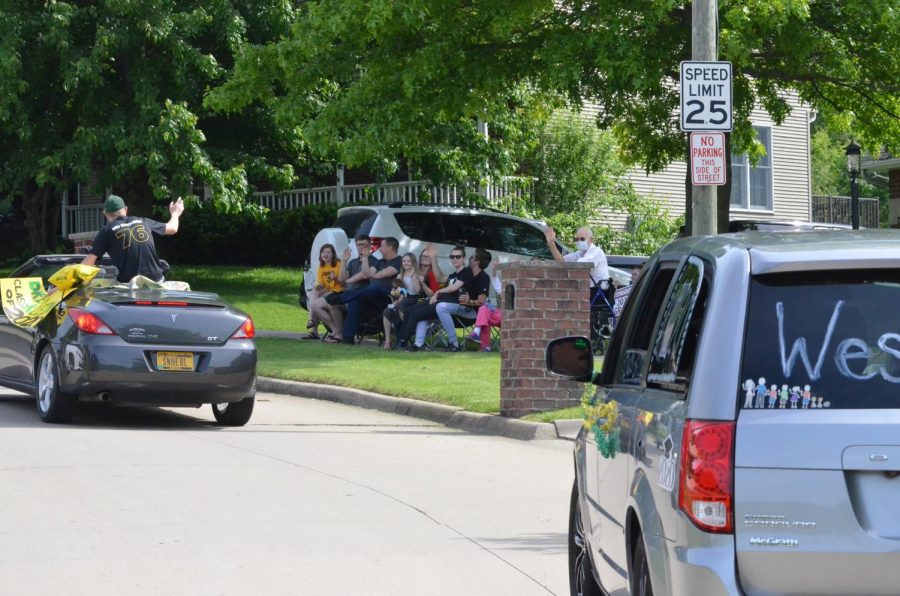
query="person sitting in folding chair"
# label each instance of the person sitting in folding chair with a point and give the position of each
(329, 310)
(489, 315)
(377, 293)
(416, 318)
(407, 290)
(472, 287)
(466, 290)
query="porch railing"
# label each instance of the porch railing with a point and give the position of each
(503, 195)
(834, 209)
(500, 195)
(82, 218)
(294, 199)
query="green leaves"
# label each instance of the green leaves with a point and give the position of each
(112, 92)
(368, 81)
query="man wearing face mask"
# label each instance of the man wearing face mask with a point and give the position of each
(587, 253)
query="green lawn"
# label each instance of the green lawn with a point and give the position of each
(470, 380)
(267, 294)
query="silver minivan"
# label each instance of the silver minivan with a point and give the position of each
(745, 434)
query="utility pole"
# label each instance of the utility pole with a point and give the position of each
(704, 42)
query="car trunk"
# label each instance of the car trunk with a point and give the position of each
(817, 447)
(816, 498)
(167, 318)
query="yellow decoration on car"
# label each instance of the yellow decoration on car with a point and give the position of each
(25, 303)
(72, 277)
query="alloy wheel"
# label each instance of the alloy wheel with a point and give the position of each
(581, 558)
(46, 382)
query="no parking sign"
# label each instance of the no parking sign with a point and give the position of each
(707, 158)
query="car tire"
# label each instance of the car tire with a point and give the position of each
(234, 414)
(641, 578)
(52, 405)
(581, 570)
(302, 298)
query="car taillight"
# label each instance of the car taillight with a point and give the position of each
(376, 243)
(707, 475)
(89, 322)
(245, 331)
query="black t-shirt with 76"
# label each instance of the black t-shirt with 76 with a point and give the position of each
(129, 242)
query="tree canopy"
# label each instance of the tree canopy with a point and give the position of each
(384, 79)
(131, 94)
(111, 91)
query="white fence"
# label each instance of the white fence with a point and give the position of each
(293, 199)
(499, 195)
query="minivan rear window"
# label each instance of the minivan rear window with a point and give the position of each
(424, 226)
(824, 339)
(355, 222)
(489, 232)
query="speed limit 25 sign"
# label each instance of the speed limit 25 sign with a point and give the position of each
(706, 96)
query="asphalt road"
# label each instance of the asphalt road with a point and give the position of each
(310, 498)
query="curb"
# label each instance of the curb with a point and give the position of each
(449, 416)
(568, 429)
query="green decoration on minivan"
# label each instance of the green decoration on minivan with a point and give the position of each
(600, 419)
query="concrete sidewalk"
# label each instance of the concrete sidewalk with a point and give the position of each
(450, 416)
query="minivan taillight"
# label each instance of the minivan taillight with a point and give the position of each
(376, 242)
(245, 331)
(89, 322)
(706, 479)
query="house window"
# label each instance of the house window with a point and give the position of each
(751, 186)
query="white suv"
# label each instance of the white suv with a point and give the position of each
(507, 237)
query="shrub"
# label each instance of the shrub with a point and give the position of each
(276, 238)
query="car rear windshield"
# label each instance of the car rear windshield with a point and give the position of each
(355, 222)
(825, 339)
(491, 232)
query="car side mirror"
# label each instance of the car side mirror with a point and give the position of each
(571, 358)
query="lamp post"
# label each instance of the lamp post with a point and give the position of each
(853, 155)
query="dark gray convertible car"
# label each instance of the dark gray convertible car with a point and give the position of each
(137, 346)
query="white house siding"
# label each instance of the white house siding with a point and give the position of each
(791, 192)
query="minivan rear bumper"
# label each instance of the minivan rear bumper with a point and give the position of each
(706, 567)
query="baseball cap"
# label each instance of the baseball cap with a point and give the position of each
(113, 203)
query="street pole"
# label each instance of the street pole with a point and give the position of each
(703, 48)
(853, 153)
(485, 189)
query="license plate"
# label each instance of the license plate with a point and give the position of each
(175, 361)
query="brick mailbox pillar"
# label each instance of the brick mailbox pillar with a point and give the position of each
(82, 241)
(542, 300)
